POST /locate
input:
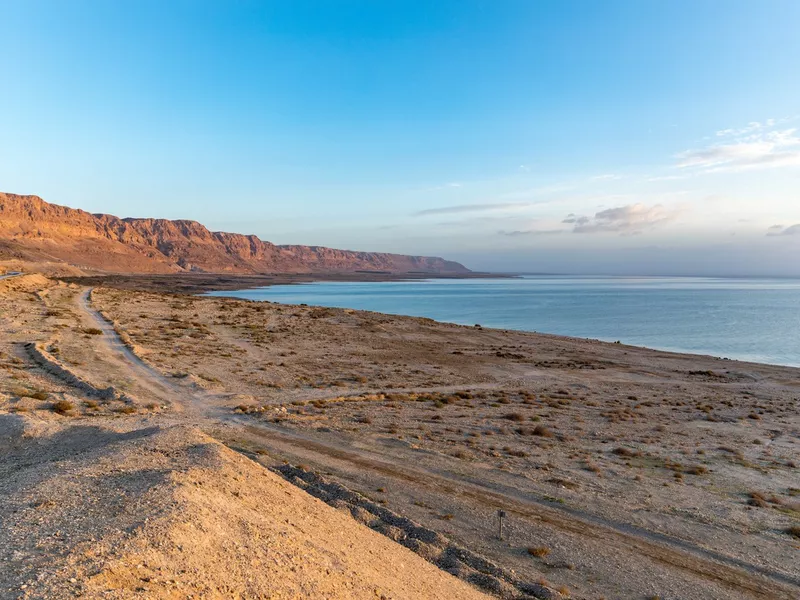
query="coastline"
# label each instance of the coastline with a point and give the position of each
(703, 353)
(196, 283)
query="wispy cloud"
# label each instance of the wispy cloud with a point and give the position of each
(755, 147)
(445, 186)
(606, 177)
(572, 218)
(748, 129)
(781, 230)
(468, 208)
(666, 177)
(630, 219)
(531, 232)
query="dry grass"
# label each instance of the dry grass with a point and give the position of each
(62, 407)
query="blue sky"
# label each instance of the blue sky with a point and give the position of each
(567, 136)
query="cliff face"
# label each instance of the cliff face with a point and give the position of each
(33, 229)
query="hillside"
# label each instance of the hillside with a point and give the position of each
(103, 511)
(34, 230)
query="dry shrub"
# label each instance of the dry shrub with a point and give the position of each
(62, 407)
(625, 452)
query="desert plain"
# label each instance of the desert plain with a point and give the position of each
(165, 445)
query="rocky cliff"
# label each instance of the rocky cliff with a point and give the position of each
(32, 229)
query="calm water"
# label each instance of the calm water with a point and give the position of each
(748, 319)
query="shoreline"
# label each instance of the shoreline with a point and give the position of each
(678, 352)
(198, 283)
(202, 283)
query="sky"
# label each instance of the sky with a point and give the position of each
(562, 136)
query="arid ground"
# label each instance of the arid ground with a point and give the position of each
(622, 472)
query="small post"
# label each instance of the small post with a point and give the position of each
(500, 514)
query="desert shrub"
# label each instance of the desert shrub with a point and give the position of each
(515, 417)
(696, 470)
(92, 331)
(543, 431)
(35, 394)
(62, 407)
(539, 551)
(625, 452)
(517, 453)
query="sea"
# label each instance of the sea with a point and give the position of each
(755, 320)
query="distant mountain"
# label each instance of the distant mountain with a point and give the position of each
(32, 229)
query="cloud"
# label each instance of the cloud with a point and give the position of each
(759, 150)
(573, 218)
(781, 230)
(749, 128)
(447, 186)
(531, 232)
(606, 177)
(666, 178)
(630, 219)
(467, 208)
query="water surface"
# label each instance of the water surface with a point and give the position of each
(747, 319)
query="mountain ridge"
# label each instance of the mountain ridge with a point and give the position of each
(33, 229)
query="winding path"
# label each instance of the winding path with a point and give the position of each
(191, 402)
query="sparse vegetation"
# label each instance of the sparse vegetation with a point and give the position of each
(62, 407)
